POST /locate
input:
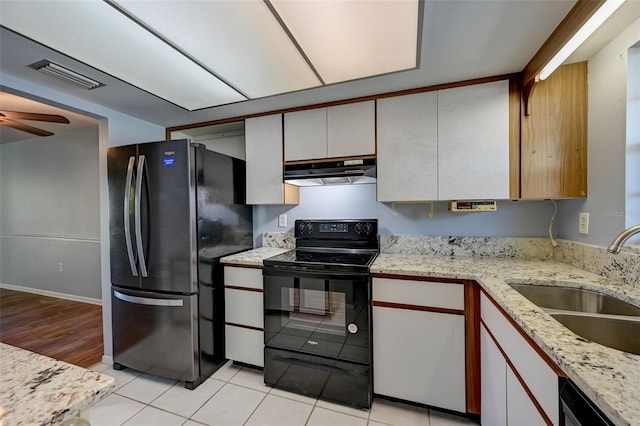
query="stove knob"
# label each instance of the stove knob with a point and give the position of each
(301, 227)
(310, 227)
(368, 228)
(358, 228)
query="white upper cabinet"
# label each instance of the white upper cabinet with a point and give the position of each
(473, 142)
(305, 134)
(337, 131)
(351, 130)
(451, 144)
(408, 147)
(263, 147)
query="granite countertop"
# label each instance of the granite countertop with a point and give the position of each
(253, 258)
(38, 390)
(610, 378)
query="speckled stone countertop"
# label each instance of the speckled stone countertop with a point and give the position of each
(38, 390)
(252, 257)
(610, 378)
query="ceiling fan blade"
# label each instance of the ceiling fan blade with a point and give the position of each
(50, 118)
(24, 127)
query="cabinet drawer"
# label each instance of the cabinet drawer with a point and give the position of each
(244, 345)
(243, 307)
(422, 293)
(540, 378)
(243, 277)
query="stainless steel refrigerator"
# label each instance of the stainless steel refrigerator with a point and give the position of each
(175, 209)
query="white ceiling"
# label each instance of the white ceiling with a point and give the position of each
(461, 39)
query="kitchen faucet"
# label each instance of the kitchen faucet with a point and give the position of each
(622, 237)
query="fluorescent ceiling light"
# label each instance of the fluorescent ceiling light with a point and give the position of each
(579, 37)
(66, 74)
(346, 40)
(97, 34)
(241, 41)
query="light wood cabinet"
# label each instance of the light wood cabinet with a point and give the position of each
(451, 144)
(527, 392)
(419, 351)
(244, 319)
(263, 151)
(338, 131)
(554, 136)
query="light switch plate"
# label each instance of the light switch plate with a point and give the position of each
(282, 220)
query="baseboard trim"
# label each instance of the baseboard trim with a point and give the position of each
(52, 294)
(107, 359)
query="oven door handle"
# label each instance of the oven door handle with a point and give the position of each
(302, 270)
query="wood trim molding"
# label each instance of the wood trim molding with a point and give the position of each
(235, 287)
(512, 367)
(416, 278)
(515, 91)
(547, 359)
(169, 130)
(248, 327)
(472, 345)
(574, 20)
(421, 308)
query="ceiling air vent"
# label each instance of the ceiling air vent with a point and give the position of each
(66, 74)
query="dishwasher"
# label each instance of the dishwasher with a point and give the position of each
(577, 409)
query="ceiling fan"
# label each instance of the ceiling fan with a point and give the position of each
(8, 119)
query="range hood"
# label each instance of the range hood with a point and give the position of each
(339, 172)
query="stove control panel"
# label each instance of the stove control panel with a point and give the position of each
(337, 229)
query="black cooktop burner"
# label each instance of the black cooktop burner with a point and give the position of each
(323, 258)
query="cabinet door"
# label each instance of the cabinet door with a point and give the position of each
(305, 135)
(263, 140)
(351, 130)
(408, 148)
(493, 382)
(419, 356)
(520, 408)
(473, 142)
(244, 345)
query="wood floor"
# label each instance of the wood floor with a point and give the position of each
(62, 329)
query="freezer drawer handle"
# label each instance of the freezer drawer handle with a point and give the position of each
(143, 263)
(127, 211)
(148, 301)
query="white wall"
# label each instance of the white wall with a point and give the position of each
(632, 188)
(607, 146)
(51, 214)
(513, 218)
(115, 129)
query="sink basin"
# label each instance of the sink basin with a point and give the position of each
(575, 299)
(616, 333)
(595, 316)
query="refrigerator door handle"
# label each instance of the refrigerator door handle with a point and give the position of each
(127, 211)
(143, 263)
(148, 301)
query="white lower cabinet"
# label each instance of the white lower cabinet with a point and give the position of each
(518, 387)
(419, 355)
(244, 320)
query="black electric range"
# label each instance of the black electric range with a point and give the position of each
(317, 312)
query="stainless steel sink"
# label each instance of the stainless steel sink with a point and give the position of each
(575, 299)
(595, 316)
(617, 333)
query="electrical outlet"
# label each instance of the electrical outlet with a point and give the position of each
(60, 266)
(282, 220)
(583, 223)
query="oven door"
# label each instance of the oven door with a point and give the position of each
(317, 313)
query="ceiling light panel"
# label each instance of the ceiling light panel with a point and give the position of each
(241, 41)
(351, 39)
(97, 34)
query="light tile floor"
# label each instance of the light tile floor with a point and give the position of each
(237, 395)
